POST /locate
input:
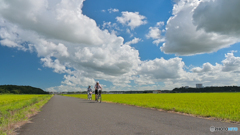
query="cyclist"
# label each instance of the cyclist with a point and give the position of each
(89, 91)
(97, 87)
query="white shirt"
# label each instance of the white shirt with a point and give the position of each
(98, 86)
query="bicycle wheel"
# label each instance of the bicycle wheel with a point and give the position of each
(100, 99)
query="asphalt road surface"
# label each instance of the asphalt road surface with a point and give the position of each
(73, 116)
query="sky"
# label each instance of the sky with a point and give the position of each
(67, 45)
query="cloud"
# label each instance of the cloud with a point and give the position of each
(134, 41)
(160, 24)
(207, 67)
(155, 33)
(64, 88)
(55, 64)
(132, 19)
(112, 27)
(159, 70)
(195, 25)
(72, 44)
(226, 73)
(54, 20)
(76, 80)
(9, 36)
(218, 16)
(67, 41)
(171, 72)
(46, 48)
(129, 32)
(231, 63)
(11, 44)
(113, 10)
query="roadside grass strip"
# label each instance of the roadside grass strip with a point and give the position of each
(16, 109)
(223, 106)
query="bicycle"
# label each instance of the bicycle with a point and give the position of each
(90, 96)
(99, 97)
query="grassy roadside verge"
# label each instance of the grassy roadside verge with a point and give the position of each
(222, 106)
(15, 113)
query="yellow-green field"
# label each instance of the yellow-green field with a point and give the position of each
(17, 108)
(220, 105)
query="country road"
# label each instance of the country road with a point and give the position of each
(73, 116)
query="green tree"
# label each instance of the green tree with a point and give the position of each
(16, 91)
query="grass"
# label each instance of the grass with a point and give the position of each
(224, 106)
(15, 109)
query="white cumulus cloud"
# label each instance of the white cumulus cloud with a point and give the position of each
(155, 33)
(112, 10)
(160, 24)
(12, 44)
(134, 41)
(197, 26)
(159, 69)
(219, 16)
(132, 19)
(231, 63)
(67, 41)
(62, 20)
(225, 73)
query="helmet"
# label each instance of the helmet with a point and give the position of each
(97, 81)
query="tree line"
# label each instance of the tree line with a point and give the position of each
(207, 89)
(14, 89)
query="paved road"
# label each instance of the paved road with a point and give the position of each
(73, 116)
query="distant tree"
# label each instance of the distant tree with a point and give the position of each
(2, 91)
(21, 89)
(7, 91)
(16, 91)
(208, 89)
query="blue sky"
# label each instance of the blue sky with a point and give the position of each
(64, 45)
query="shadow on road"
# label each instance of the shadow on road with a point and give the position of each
(87, 101)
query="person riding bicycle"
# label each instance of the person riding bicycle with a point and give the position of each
(97, 87)
(89, 90)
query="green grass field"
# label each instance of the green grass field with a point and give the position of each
(17, 108)
(219, 105)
